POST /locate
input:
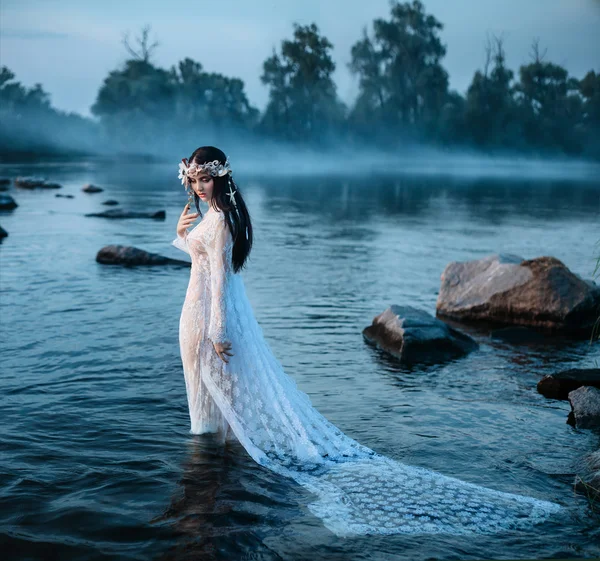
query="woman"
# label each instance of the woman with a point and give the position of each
(236, 388)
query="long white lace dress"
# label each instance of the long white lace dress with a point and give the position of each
(251, 398)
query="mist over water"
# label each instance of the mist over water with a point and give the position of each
(416, 161)
(253, 155)
(98, 461)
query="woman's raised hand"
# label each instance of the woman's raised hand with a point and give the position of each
(223, 349)
(185, 220)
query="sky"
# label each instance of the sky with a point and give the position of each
(70, 46)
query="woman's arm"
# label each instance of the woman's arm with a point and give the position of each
(180, 242)
(217, 249)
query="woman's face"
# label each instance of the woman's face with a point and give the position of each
(203, 186)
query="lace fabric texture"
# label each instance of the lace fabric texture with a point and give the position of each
(251, 399)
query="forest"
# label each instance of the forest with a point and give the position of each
(403, 99)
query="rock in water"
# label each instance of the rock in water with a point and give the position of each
(585, 407)
(414, 336)
(7, 202)
(132, 256)
(509, 290)
(120, 213)
(89, 188)
(35, 183)
(559, 385)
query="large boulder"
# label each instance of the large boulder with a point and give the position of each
(118, 213)
(415, 336)
(509, 290)
(585, 408)
(132, 256)
(559, 385)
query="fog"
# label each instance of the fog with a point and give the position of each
(525, 119)
(253, 156)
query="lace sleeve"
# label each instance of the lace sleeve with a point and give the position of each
(181, 243)
(217, 249)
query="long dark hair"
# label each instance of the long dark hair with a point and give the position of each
(238, 220)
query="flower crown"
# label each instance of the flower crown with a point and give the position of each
(214, 168)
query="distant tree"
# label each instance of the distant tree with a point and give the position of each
(30, 125)
(490, 109)
(136, 102)
(141, 102)
(303, 103)
(211, 98)
(15, 98)
(590, 89)
(402, 84)
(590, 119)
(451, 124)
(550, 104)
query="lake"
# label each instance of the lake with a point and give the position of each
(97, 460)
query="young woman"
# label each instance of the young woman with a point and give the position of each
(237, 389)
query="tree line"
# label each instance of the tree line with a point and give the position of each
(403, 96)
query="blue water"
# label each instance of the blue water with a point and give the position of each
(97, 461)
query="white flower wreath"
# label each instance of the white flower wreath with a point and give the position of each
(214, 168)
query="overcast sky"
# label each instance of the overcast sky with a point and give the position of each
(71, 45)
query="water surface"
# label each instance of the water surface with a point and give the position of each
(97, 459)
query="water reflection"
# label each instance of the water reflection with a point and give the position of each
(365, 198)
(225, 505)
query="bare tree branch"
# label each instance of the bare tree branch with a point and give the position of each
(535, 51)
(488, 54)
(144, 51)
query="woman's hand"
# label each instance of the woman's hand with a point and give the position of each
(223, 349)
(185, 220)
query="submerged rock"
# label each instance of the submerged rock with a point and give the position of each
(5, 181)
(517, 335)
(132, 256)
(509, 290)
(89, 188)
(7, 202)
(120, 213)
(36, 183)
(64, 196)
(414, 336)
(110, 202)
(558, 386)
(3, 233)
(585, 407)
